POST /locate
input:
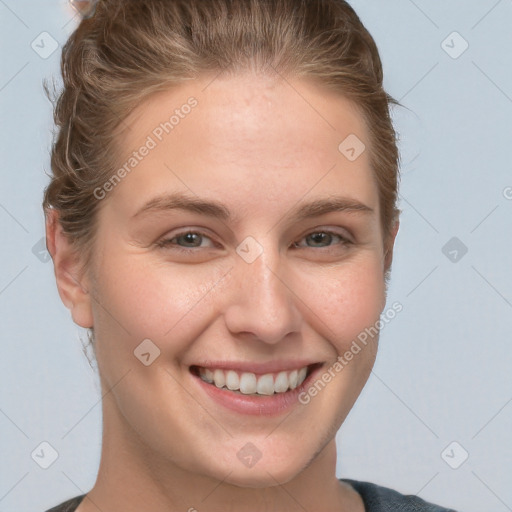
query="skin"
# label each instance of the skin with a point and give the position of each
(261, 146)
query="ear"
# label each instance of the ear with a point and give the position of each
(388, 250)
(71, 281)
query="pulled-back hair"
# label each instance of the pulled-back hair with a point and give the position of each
(130, 49)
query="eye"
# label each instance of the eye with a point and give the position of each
(324, 238)
(190, 240)
(186, 241)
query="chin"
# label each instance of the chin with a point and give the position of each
(265, 472)
(263, 478)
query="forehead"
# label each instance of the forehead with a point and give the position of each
(261, 135)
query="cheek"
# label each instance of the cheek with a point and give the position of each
(346, 299)
(138, 301)
(168, 306)
(172, 305)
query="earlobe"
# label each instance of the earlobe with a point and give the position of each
(72, 285)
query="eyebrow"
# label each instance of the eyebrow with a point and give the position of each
(211, 208)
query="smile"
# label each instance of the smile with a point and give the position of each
(266, 391)
(248, 383)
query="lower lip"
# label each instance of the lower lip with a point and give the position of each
(264, 405)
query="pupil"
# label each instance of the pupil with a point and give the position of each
(192, 239)
(319, 237)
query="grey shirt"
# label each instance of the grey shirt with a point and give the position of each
(375, 498)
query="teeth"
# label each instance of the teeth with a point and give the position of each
(232, 380)
(265, 385)
(208, 374)
(281, 383)
(219, 378)
(294, 379)
(249, 384)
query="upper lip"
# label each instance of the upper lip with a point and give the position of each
(257, 368)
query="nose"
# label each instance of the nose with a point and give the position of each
(262, 305)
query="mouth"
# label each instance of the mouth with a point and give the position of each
(252, 393)
(249, 383)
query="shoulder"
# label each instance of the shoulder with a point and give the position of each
(68, 506)
(375, 497)
(382, 499)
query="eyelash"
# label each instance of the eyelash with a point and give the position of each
(166, 242)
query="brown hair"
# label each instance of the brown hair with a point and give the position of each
(130, 49)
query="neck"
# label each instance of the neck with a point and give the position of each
(131, 478)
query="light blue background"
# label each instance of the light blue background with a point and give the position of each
(443, 371)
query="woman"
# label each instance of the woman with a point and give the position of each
(221, 216)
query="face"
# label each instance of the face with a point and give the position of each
(242, 244)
